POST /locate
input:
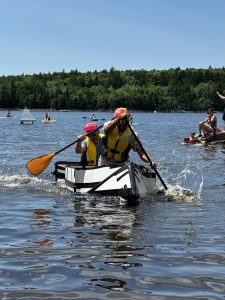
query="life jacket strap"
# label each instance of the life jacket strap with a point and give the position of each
(114, 151)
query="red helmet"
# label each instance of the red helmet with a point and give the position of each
(119, 111)
(90, 126)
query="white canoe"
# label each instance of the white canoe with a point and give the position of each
(127, 180)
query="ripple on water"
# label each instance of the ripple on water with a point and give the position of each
(56, 245)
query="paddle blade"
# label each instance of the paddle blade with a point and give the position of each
(37, 165)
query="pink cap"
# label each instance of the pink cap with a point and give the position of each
(90, 126)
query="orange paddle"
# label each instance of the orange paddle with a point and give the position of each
(37, 165)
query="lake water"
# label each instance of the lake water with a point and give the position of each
(56, 245)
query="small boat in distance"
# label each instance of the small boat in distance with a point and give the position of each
(93, 118)
(27, 117)
(48, 121)
(8, 116)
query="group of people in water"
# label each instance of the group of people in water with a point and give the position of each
(113, 146)
(208, 130)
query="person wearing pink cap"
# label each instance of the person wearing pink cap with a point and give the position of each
(91, 146)
(120, 140)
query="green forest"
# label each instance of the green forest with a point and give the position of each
(165, 90)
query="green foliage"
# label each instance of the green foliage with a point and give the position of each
(166, 90)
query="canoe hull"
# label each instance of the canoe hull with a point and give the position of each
(127, 180)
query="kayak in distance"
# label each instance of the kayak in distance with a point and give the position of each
(7, 117)
(48, 121)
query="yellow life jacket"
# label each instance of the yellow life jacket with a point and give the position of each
(118, 144)
(91, 153)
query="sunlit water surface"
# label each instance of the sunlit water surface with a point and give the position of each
(56, 245)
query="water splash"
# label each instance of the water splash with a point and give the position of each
(27, 182)
(187, 186)
(178, 193)
(18, 180)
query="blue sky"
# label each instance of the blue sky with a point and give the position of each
(87, 35)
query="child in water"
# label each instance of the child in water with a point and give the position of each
(191, 139)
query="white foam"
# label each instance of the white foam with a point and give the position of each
(17, 180)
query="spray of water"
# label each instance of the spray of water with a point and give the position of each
(179, 192)
(23, 181)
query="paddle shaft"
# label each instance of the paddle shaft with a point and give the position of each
(37, 165)
(142, 148)
(77, 140)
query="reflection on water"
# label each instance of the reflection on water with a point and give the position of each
(41, 215)
(110, 283)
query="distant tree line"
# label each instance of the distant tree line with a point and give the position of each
(166, 90)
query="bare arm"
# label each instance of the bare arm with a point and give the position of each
(78, 147)
(207, 120)
(220, 96)
(145, 159)
(110, 125)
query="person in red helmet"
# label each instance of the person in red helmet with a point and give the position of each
(90, 147)
(120, 140)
